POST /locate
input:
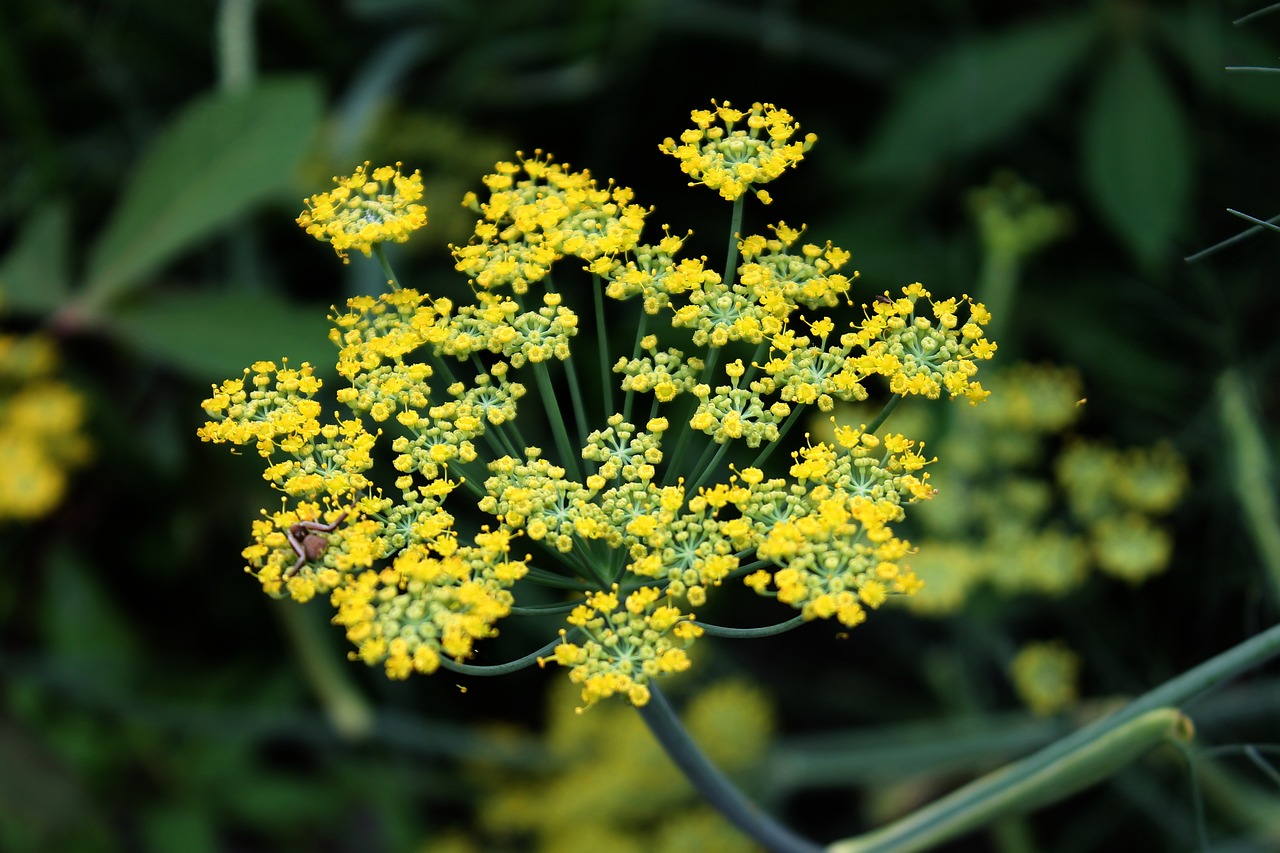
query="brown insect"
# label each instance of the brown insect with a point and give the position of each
(307, 542)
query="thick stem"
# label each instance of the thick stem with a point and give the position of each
(714, 785)
(1076, 760)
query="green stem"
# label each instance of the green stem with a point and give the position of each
(558, 429)
(796, 411)
(602, 337)
(575, 396)
(237, 63)
(1254, 483)
(554, 609)
(705, 466)
(889, 406)
(543, 577)
(714, 785)
(1075, 761)
(500, 668)
(381, 255)
(997, 794)
(342, 701)
(735, 228)
(641, 328)
(751, 633)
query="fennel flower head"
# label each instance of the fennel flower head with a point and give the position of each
(608, 418)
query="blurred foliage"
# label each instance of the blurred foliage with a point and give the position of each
(156, 155)
(609, 786)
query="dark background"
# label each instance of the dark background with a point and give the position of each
(153, 699)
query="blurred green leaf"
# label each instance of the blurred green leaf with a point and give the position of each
(1137, 154)
(182, 827)
(1205, 40)
(224, 154)
(976, 94)
(39, 796)
(33, 277)
(83, 625)
(212, 336)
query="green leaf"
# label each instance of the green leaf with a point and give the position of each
(226, 153)
(1137, 154)
(213, 336)
(33, 277)
(976, 95)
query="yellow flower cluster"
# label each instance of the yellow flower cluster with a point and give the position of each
(729, 150)
(1025, 521)
(628, 642)
(922, 354)
(537, 213)
(366, 209)
(1046, 676)
(41, 428)
(644, 516)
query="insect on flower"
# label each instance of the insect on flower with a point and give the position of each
(305, 539)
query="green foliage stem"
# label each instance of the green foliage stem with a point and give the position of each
(1253, 480)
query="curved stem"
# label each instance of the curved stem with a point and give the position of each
(751, 633)
(1078, 759)
(714, 785)
(499, 668)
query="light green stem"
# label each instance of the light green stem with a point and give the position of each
(1013, 789)
(641, 328)
(558, 429)
(1254, 481)
(381, 255)
(345, 707)
(1069, 764)
(237, 63)
(602, 348)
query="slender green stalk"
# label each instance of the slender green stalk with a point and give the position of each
(1254, 480)
(381, 255)
(641, 327)
(542, 577)
(237, 60)
(554, 609)
(735, 232)
(500, 668)
(889, 406)
(558, 429)
(575, 397)
(602, 348)
(764, 455)
(345, 706)
(751, 633)
(708, 464)
(714, 785)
